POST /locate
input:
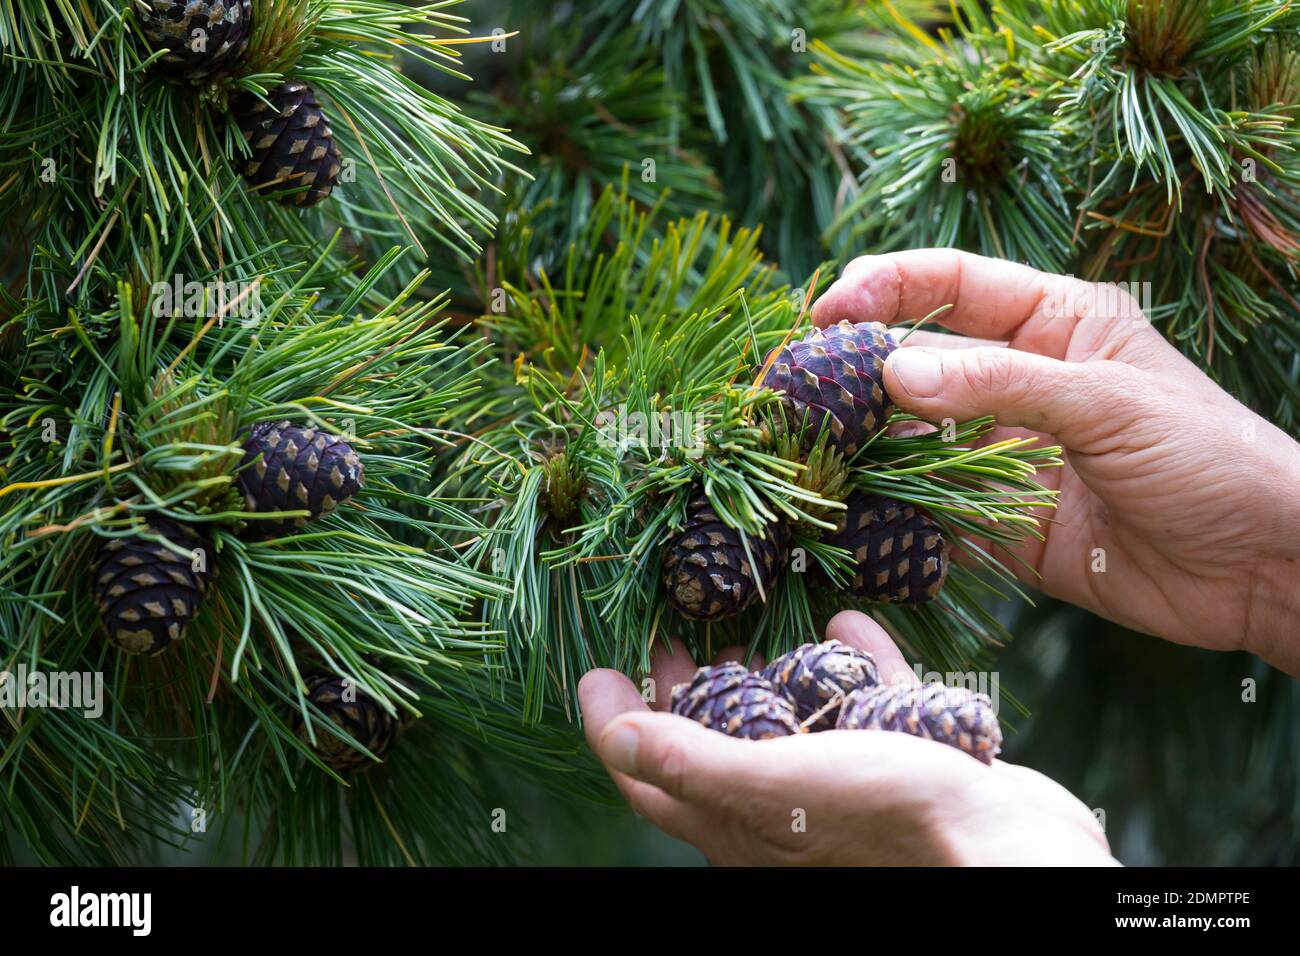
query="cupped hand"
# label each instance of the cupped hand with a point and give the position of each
(1179, 509)
(839, 797)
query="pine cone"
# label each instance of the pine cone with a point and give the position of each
(816, 678)
(836, 376)
(950, 715)
(291, 142)
(899, 554)
(706, 570)
(202, 39)
(361, 718)
(288, 468)
(147, 592)
(730, 699)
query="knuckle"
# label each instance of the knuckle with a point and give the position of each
(988, 371)
(1109, 380)
(1110, 300)
(674, 767)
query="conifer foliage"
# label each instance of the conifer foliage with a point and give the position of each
(352, 408)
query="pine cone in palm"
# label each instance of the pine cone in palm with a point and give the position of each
(950, 715)
(899, 555)
(707, 572)
(730, 699)
(816, 678)
(835, 378)
(355, 713)
(202, 38)
(291, 142)
(146, 591)
(288, 468)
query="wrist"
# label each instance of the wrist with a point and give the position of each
(1273, 612)
(1272, 627)
(1043, 841)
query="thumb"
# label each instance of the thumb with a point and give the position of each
(1077, 402)
(682, 758)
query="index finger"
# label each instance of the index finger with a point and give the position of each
(604, 694)
(990, 298)
(857, 630)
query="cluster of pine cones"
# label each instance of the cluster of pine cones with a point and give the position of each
(828, 686)
(150, 585)
(832, 382)
(293, 153)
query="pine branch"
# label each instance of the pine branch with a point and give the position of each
(664, 332)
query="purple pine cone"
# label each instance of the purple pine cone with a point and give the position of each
(899, 555)
(816, 678)
(950, 715)
(836, 376)
(289, 468)
(731, 699)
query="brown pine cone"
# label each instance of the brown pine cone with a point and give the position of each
(899, 554)
(147, 592)
(731, 699)
(360, 718)
(202, 38)
(709, 576)
(816, 678)
(951, 715)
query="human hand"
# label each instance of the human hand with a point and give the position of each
(840, 797)
(1191, 500)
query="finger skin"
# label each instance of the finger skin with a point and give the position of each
(680, 757)
(674, 817)
(1056, 316)
(670, 665)
(857, 630)
(603, 694)
(945, 340)
(737, 653)
(1080, 403)
(990, 298)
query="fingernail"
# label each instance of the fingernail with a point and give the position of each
(618, 747)
(919, 370)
